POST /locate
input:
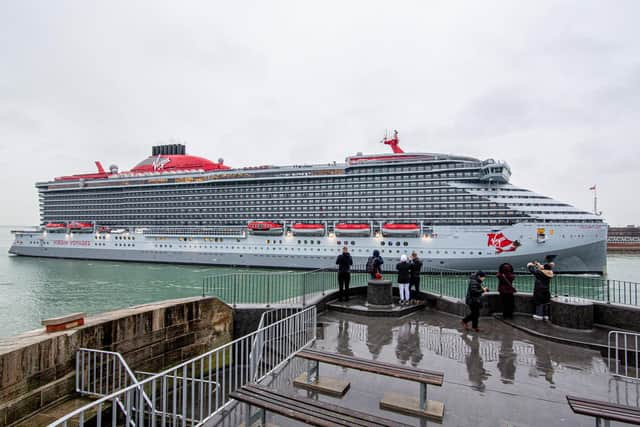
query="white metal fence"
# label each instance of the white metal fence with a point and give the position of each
(622, 352)
(100, 373)
(198, 389)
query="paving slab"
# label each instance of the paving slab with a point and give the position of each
(502, 376)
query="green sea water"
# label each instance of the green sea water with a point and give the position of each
(32, 289)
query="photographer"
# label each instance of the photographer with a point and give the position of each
(541, 288)
(474, 292)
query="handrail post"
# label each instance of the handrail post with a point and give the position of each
(269, 296)
(235, 286)
(304, 290)
(608, 298)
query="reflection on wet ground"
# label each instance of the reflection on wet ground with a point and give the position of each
(498, 377)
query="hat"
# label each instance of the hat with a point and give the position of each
(403, 257)
(480, 273)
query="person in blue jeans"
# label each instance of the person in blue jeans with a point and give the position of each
(541, 288)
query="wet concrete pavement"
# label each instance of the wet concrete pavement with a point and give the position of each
(499, 377)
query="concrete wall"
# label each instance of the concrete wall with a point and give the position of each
(617, 316)
(37, 369)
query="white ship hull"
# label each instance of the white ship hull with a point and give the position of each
(576, 248)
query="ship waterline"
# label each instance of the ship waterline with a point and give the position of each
(455, 212)
(445, 251)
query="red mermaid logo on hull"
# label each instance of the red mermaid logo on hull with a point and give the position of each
(502, 243)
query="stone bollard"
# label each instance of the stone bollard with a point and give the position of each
(379, 293)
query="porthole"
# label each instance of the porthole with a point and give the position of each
(406, 243)
(382, 243)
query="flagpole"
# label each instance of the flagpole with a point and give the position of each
(595, 200)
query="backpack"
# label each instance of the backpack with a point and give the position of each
(370, 264)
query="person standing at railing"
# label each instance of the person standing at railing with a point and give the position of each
(541, 288)
(404, 277)
(344, 262)
(474, 292)
(374, 265)
(505, 288)
(414, 280)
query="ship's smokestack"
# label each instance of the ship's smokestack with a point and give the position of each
(168, 149)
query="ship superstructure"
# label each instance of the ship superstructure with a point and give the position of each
(456, 212)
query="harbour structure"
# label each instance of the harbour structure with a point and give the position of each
(624, 239)
(456, 212)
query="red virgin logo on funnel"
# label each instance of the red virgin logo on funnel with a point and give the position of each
(501, 243)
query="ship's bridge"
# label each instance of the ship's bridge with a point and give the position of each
(495, 171)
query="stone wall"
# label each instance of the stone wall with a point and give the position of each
(37, 369)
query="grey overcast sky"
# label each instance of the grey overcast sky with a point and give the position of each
(553, 88)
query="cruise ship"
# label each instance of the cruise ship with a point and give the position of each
(457, 213)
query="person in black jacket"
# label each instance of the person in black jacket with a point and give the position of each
(404, 276)
(374, 264)
(541, 288)
(474, 292)
(416, 266)
(505, 287)
(344, 263)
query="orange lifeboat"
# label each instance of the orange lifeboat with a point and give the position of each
(80, 226)
(265, 228)
(397, 230)
(307, 229)
(55, 227)
(353, 230)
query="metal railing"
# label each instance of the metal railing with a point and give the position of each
(622, 354)
(99, 372)
(198, 389)
(259, 342)
(294, 288)
(290, 288)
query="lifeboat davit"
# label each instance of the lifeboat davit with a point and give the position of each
(307, 229)
(353, 230)
(55, 226)
(397, 230)
(80, 226)
(265, 228)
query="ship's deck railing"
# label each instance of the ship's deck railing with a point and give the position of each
(295, 288)
(198, 389)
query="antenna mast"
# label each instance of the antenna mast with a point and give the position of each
(393, 142)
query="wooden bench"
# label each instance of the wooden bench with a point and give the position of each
(302, 409)
(392, 401)
(604, 411)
